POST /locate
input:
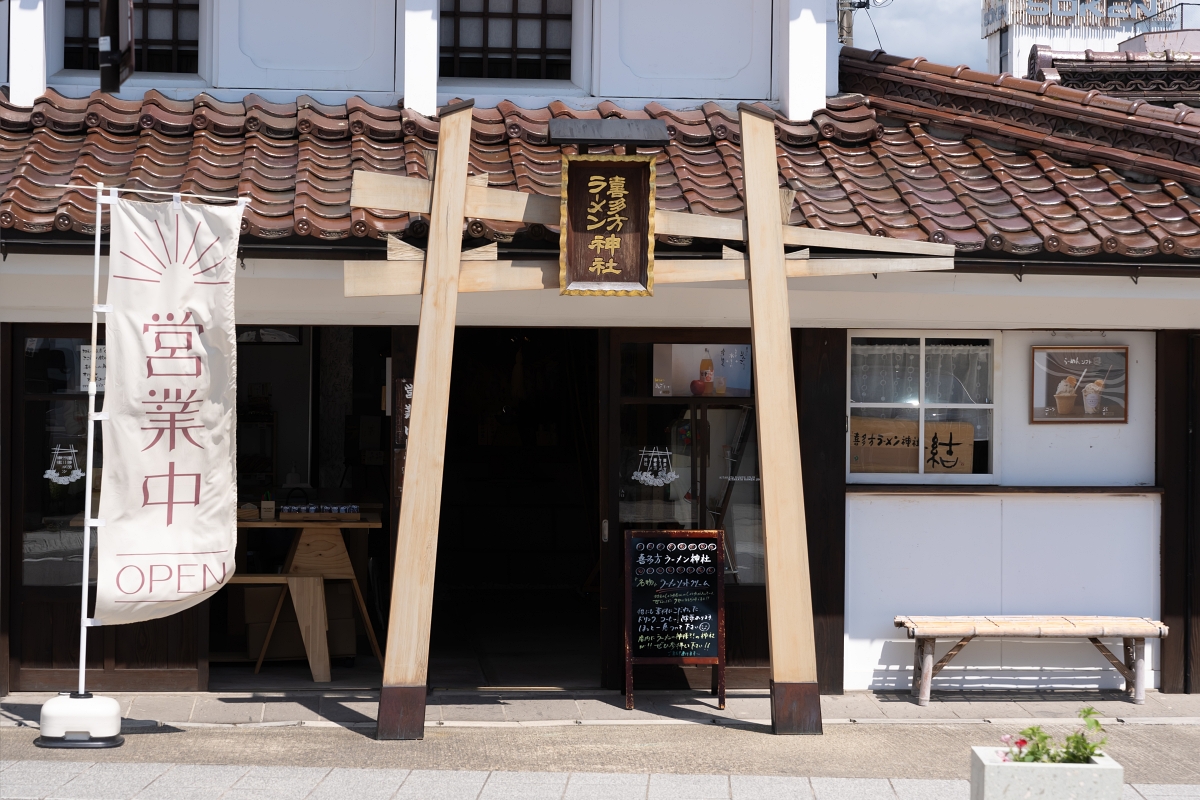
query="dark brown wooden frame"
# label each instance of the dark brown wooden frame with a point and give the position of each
(1177, 471)
(612, 674)
(89, 45)
(718, 663)
(455, 51)
(7, 519)
(1033, 420)
(103, 642)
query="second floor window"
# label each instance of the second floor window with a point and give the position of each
(166, 35)
(505, 39)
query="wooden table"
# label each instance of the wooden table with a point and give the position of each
(1134, 631)
(317, 554)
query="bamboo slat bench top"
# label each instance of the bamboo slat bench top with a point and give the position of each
(1031, 627)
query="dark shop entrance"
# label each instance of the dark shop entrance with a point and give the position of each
(517, 591)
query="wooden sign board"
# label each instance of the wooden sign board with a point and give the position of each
(884, 445)
(949, 448)
(675, 602)
(606, 245)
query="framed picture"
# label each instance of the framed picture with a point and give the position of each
(1080, 384)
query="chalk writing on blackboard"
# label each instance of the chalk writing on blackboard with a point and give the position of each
(674, 597)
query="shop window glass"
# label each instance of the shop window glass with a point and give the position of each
(921, 407)
(712, 371)
(689, 446)
(55, 456)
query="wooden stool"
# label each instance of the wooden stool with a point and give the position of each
(316, 555)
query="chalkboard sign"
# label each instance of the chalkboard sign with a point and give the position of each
(675, 602)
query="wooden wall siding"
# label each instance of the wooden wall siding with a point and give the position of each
(50, 632)
(1177, 409)
(820, 363)
(5, 504)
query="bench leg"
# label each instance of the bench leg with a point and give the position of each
(1130, 661)
(1139, 671)
(926, 646)
(916, 674)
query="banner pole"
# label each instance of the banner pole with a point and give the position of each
(88, 522)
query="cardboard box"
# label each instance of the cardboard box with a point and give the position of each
(884, 445)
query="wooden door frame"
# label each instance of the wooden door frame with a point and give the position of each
(7, 519)
(108, 678)
(819, 358)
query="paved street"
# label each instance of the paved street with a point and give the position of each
(539, 708)
(577, 745)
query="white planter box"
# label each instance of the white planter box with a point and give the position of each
(993, 778)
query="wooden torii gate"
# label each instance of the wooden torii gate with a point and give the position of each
(442, 272)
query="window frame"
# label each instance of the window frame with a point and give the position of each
(995, 447)
(513, 53)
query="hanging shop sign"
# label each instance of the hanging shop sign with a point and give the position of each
(168, 491)
(606, 245)
(1080, 384)
(675, 602)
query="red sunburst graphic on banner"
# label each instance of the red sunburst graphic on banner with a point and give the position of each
(156, 257)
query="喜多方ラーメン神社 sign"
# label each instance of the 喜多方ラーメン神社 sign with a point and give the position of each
(606, 246)
(168, 491)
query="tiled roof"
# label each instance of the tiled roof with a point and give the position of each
(1163, 77)
(914, 151)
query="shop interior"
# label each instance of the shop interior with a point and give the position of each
(517, 597)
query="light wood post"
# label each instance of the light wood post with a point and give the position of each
(795, 698)
(406, 660)
(1139, 671)
(926, 649)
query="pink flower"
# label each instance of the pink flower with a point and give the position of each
(1006, 738)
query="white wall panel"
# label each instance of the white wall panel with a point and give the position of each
(282, 44)
(1077, 454)
(717, 49)
(299, 292)
(995, 554)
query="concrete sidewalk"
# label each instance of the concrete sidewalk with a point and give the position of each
(40, 780)
(550, 708)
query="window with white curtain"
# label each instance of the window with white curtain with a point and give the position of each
(922, 408)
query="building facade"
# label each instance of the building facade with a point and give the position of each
(1075, 222)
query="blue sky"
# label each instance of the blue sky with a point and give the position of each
(944, 31)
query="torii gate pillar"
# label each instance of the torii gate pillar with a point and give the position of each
(795, 699)
(406, 660)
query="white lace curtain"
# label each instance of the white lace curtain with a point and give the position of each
(891, 373)
(958, 373)
(885, 373)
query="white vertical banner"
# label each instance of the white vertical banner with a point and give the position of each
(168, 494)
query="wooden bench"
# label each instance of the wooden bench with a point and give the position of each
(1133, 630)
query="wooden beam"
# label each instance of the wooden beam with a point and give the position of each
(406, 660)
(371, 190)
(795, 699)
(388, 278)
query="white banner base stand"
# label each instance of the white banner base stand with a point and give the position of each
(74, 720)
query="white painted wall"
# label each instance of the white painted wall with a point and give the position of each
(802, 45)
(713, 49)
(58, 288)
(1077, 454)
(27, 50)
(998, 554)
(4, 12)
(275, 43)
